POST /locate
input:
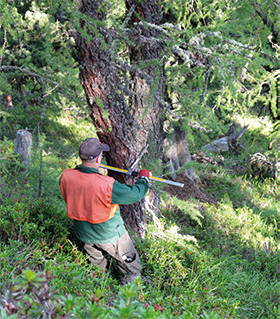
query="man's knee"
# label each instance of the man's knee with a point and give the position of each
(95, 255)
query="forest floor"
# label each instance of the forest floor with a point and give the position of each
(189, 190)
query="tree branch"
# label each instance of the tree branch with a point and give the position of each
(206, 83)
(4, 44)
(32, 73)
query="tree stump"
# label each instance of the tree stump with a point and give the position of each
(227, 142)
(218, 146)
(23, 145)
(261, 167)
(176, 155)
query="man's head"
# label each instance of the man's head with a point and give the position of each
(91, 148)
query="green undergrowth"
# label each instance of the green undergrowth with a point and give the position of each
(199, 261)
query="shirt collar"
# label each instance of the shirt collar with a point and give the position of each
(85, 169)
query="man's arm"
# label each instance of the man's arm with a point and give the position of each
(129, 194)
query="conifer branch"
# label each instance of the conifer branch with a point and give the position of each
(32, 73)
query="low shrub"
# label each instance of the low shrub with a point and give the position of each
(27, 220)
(31, 295)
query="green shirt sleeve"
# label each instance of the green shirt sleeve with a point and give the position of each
(124, 194)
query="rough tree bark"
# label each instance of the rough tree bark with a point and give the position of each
(126, 114)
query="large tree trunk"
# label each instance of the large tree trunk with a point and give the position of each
(127, 115)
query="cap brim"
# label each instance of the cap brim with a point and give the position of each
(105, 147)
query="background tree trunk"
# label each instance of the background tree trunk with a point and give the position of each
(126, 114)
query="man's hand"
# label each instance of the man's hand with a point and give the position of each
(144, 173)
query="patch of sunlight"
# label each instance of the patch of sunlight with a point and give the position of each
(35, 16)
(116, 11)
(173, 233)
(263, 123)
(189, 209)
(63, 121)
(79, 126)
(251, 228)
